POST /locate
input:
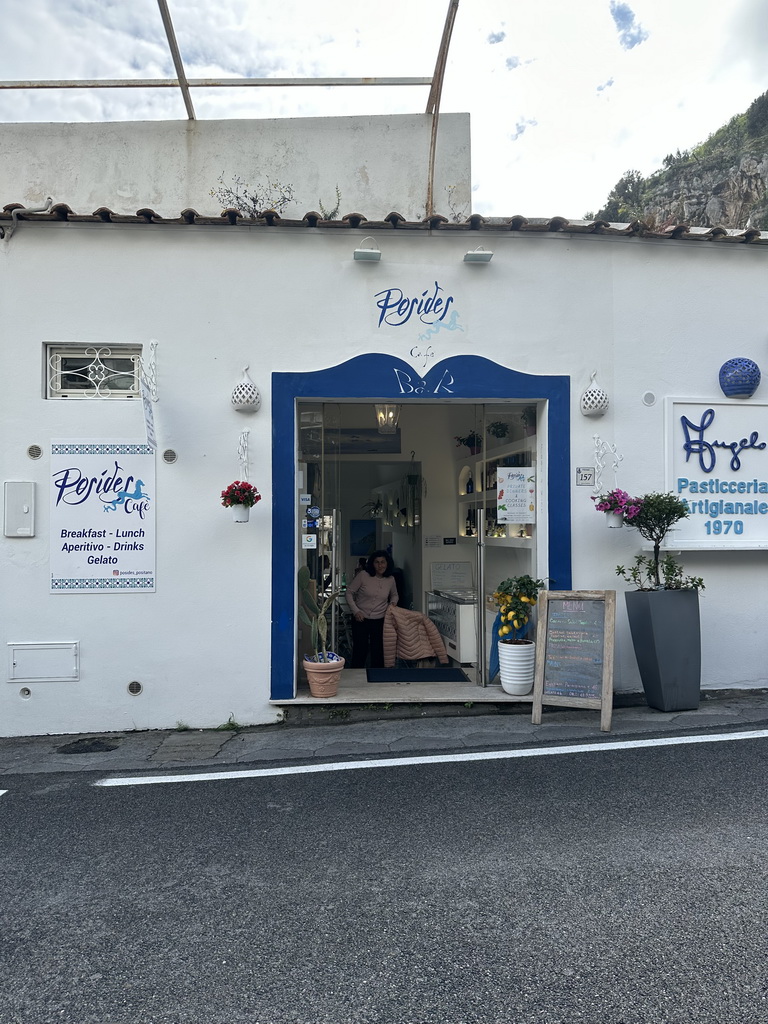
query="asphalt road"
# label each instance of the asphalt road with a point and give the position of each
(615, 887)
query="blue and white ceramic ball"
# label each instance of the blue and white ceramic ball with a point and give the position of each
(739, 378)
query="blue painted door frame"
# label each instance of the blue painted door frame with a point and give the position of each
(386, 378)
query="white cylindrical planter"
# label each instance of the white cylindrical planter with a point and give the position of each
(615, 519)
(241, 513)
(516, 667)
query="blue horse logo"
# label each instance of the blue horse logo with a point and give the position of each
(136, 494)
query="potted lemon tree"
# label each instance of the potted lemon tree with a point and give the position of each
(663, 610)
(515, 598)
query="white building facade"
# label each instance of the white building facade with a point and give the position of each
(129, 599)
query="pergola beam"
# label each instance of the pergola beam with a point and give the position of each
(203, 83)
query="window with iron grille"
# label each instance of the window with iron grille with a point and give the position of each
(93, 371)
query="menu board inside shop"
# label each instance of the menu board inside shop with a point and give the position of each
(574, 652)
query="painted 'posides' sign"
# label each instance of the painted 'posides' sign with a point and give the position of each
(102, 516)
(718, 464)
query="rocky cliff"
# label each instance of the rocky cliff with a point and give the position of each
(723, 181)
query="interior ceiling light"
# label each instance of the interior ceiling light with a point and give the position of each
(386, 418)
(371, 253)
(478, 255)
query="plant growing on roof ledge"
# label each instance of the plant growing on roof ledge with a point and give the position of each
(252, 200)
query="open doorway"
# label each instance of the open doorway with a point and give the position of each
(347, 475)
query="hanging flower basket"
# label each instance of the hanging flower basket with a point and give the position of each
(618, 506)
(240, 496)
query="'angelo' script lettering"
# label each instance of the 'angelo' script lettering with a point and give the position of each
(695, 444)
(397, 309)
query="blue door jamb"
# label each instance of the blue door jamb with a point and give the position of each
(387, 378)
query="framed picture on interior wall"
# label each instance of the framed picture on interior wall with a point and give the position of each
(362, 537)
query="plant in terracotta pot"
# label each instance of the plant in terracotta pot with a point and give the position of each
(515, 598)
(240, 496)
(472, 440)
(663, 610)
(324, 667)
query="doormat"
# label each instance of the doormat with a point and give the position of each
(416, 675)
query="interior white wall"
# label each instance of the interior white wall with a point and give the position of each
(170, 166)
(645, 315)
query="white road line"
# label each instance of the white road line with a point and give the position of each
(605, 747)
(3, 792)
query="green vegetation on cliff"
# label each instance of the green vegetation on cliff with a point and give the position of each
(723, 180)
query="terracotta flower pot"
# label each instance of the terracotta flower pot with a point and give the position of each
(323, 677)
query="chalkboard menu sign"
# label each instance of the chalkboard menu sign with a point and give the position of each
(574, 651)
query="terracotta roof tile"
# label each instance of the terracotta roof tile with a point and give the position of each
(396, 221)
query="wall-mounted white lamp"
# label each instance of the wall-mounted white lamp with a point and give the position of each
(372, 253)
(386, 418)
(478, 255)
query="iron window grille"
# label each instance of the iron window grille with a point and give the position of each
(94, 371)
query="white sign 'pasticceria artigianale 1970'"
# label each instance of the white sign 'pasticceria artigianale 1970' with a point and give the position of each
(718, 464)
(102, 516)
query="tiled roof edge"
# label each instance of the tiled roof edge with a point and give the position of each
(437, 223)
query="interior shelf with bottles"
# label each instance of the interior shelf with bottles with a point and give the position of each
(477, 491)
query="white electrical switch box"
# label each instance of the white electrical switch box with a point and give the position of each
(19, 508)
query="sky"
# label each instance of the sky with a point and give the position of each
(564, 96)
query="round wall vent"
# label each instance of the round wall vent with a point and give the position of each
(135, 688)
(649, 398)
(25, 693)
(169, 456)
(34, 451)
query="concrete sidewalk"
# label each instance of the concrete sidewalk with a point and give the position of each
(339, 733)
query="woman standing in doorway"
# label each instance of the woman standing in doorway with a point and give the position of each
(368, 595)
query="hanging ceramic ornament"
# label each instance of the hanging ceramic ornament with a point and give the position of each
(246, 397)
(594, 401)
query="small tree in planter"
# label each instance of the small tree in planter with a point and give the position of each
(324, 667)
(515, 598)
(663, 611)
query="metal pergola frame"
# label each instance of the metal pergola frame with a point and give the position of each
(185, 84)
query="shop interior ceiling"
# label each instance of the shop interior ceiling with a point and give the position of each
(186, 84)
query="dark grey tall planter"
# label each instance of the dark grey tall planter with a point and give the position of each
(666, 635)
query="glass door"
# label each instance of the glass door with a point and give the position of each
(498, 507)
(319, 520)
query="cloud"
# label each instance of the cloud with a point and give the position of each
(497, 37)
(513, 62)
(631, 33)
(605, 85)
(522, 126)
(746, 37)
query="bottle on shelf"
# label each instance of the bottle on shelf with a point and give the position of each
(469, 529)
(470, 485)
